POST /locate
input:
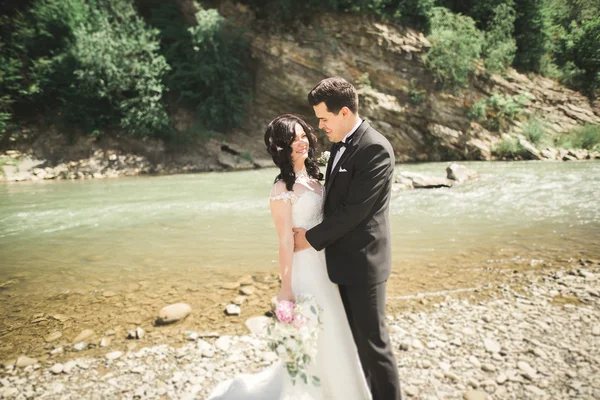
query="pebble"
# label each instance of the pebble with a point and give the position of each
(86, 334)
(68, 367)
(491, 346)
(113, 355)
(475, 395)
(57, 368)
(80, 346)
(232, 309)
(53, 336)
(173, 313)
(25, 361)
(247, 290)
(523, 351)
(411, 391)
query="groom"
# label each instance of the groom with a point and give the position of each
(355, 231)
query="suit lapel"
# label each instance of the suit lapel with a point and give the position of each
(350, 148)
(329, 164)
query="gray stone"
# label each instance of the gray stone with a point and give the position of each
(460, 173)
(80, 346)
(53, 336)
(475, 395)
(173, 313)
(25, 361)
(232, 309)
(411, 391)
(57, 368)
(223, 343)
(257, 325)
(420, 181)
(84, 335)
(526, 370)
(491, 346)
(113, 355)
(68, 366)
(247, 290)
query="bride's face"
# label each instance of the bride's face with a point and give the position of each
(300, 145)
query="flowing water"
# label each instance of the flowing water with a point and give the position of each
(200, 228)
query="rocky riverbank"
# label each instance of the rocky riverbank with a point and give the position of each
(532, 334)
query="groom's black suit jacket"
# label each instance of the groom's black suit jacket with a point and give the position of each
(355, 231)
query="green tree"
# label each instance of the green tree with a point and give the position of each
(456, 47)
(209, 66)
(500, 45)
(532, 34)
(118, 73)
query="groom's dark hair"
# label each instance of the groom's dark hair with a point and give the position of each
(336, 92)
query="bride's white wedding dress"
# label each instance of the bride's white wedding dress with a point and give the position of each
(337, 364)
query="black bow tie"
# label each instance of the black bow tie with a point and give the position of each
(339, 145)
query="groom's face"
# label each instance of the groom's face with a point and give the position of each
(335, 126)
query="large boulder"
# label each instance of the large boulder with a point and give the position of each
(420, 181)
(460, 173)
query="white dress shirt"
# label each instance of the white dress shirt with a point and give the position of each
(339, 153)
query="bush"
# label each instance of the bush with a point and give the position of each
(583, 137)
(534, 130)
(415, 95)
(509, 149)
(478, 110)
(498, 110)
(456, 47)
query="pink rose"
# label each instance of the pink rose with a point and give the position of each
(299, 321)
(285, 311)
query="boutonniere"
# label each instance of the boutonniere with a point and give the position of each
(324, 159)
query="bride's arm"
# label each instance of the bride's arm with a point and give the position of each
(281, 210)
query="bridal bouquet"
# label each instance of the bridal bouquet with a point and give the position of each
(293, 336)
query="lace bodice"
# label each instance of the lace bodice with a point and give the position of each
(306, 197)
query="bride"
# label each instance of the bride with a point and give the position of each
(297, 201)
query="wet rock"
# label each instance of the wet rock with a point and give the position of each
(53, 336)
(246, 281)
(80, 346)
(25, 361)
(420, 181)
(247, 290)
(460, 173)
(173, 313)
(84, 335)
(231, 285)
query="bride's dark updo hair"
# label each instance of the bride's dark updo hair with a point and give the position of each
(279, 136)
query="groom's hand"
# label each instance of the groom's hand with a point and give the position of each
(300, 242)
